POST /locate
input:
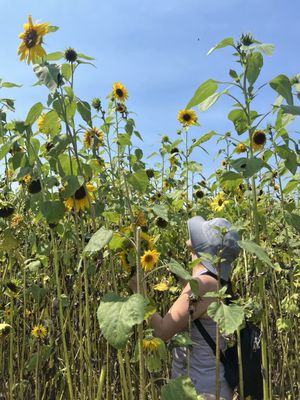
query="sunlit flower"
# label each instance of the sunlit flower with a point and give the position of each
(151, 344)
(240, 148)
(258, 140)
(119, 92)
(121, 108)
(219, 202)
(161, 286)
(32, 37)
(39, 331)
(93, 136)
(149, 259)
(25, 179)
(187, 117)
(82, 198)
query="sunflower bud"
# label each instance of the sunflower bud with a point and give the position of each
(70, 55)
(150, 172)
(96, 103)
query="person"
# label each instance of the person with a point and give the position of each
(204, 237)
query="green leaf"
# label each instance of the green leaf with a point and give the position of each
(178, 270)
(230, 180)
(99, 239)
(182, 339)
(37, 292)
(294, 110)
(239, 119)
(9, 85)
(224, 43)
(229, 318)
(66, 71)
(205, 90)
(293, 220)
(117, 316)
(210, 101)
(255, 249)
(248, 166)
(179, 388)
(290, 186)
(289, 156)
(161, 211)
(81, 55)
(51, 123)
(123, 139)
(7, 146)
(53, 211)
(255, 63)
(203, 139)
(139, 180)
(47, 75)
(54, 56)
(34, 113)
(84, 110)
(282, 85)
(60, 142)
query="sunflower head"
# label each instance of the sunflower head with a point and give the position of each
(187, 117)
(161, 223)
(82, 198)
(96, 103)
(240, 148)
(258, 140)
(93, 137)
(174, 150)
(34, 186)
(30, 48)
(199, 194)
(39, 331)
(6, 210)
(119, 92)
(151, 344)
(150, 172)
(70, 55)
(219, 202)
(149, 259)
(121, 108)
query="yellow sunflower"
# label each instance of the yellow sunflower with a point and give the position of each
(119, 92)
(39, 331)
(240, 148)
(258, 140)
(124, 262)
(82, 198)
(41, 124)
(151, 344)
(149, 259)
(32, 38)
(187, 117)
(161, 286)
(219, 202)
(93, 136)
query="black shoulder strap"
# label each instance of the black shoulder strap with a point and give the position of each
(209, 340)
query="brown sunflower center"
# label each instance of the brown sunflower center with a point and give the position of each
(259, 138)
(148, 258)
(80, 193)
(187, 117)
(220, 202)
(119, 92)
(31, 38)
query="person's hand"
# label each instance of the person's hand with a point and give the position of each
(132, 283)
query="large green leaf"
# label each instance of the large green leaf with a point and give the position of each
(71, 184)
(98, 240)
(161, 211)
(255, 249)
(205, 90)
(282, 85)
(53, 211)
(84, 110)
(204, 138)
(230, 180)
(139, 180)
(248, 166)
(180, 388)
(239, 119)
(294, 110)
(47, 74)
(211, 100)
(293, 220)
(289, 156)
(117, 316)
(255, 63)
(178, 270)
(224, 43)
(60, 142)
(34, 113)
(229, 318)
(7, 146)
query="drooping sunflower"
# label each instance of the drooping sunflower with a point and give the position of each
(187, 117)
(82, 198)
(39, 331)
(258, 140)
(149, 259)
(240, 148)
(151, 344)
(119, 92)
(32, 38)
(219, 202)
(148, 240)
(124, 262)
(93, 136)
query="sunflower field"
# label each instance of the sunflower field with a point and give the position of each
(82, 209)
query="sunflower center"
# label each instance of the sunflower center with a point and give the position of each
(259, 138)
(186, 117)
(148, 258)
(119, 92)
(31, 38)
(80, 193)
(220, 202)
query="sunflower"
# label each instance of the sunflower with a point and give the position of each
(219, 202)
(39, 331)
(161, 286)
(25, 179)
(124, 262)
(240, 148)
(82, 198)
(149, 259)
(93, 136)
(148, 239)
(32, 38)
(187, 117)
(70, 55)
(42, 127)
(151, 344)
(119, 92)
(258, 140)
(6, 210)
(16, 219)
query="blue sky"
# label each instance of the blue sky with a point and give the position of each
(157, 49)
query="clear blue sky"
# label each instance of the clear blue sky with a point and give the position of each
(157, 49)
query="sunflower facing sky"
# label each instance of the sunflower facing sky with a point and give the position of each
(32, 37)
(187, 117)
(149, 259)
(82, 198)
(258, 140)
(219, 202)
(119, 92)
(39, 331)
(93, 136)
